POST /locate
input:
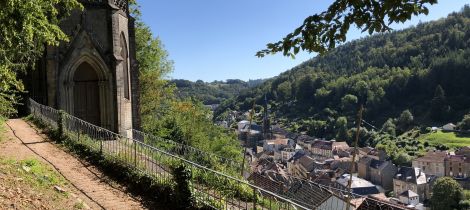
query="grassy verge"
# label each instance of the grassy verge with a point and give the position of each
(449, 139)
(156, 194)
(163, 189)
(31, 184)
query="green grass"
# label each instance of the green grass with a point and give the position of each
(449, 139)
(29, 184)
(40, 175)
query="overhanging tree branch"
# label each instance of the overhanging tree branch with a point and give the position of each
(322, 32)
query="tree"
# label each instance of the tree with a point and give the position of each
(405, 120)
(284, 90)
(156, 94)
(465, 123)
(26, 27)
(402, 159)
(439, 106)
(305, 90)
(322, 32)
(341, 125)
(446, 194)
(389, 127)
(349, 102)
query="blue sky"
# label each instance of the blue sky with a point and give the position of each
(217, 39)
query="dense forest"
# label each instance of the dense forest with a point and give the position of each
(212, 92)
(415, 76)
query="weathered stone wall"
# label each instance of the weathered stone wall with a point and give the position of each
(95, 37)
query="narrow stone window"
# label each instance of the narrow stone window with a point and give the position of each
(125, 67)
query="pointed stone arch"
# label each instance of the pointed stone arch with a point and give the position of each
(85, 53)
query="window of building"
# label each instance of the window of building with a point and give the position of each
(125, 67)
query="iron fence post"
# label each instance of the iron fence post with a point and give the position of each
(78, 131)
(135, 153)
(60, 124)
(254, 198)
(101, 145)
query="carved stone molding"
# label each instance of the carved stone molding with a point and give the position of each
(122, 4)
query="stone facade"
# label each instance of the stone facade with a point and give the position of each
(414, 179)
(432, 163)
(94, 76)
(380, 172)
(327, 148)
(457, 166)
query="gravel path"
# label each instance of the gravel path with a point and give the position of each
(25, 142)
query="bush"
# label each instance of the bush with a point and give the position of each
(183, 195)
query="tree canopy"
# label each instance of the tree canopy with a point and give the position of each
(322, 32)
(26, 27)
(446, 194)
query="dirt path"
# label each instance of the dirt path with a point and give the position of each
(88, 182)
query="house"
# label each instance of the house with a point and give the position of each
(327, 148)
(457, 166)
(304, 140)
(251, 134)
(343, 163)
(358, 186)
(372, 153)
(314, 196)
(379, 172)
(266, 183)
(301, 166)
(409, 197)
(465, 151)
(371, 203)
(243, 123)
(287, 153)
(278, 144)
(411, 178)
(432, 163)
(95, 76)
(449, 127)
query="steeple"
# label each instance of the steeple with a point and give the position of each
(267, 132)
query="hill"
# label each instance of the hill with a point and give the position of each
(423, 69)
(449, 139)
(212, 92)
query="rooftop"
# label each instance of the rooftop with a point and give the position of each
(433, 156)
(359, 186)
(329, 145)
(413, 175)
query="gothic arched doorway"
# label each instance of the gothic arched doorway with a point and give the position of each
(86, 94)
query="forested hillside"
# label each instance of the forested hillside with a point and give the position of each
(212, 92)
(424, 69)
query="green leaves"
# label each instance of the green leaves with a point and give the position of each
(322, 32)
(25, 28)
(163, 113)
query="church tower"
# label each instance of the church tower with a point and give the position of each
(94, 76)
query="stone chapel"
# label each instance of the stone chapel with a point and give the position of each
(94, 76)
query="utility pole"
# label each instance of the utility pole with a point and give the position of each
(351, 168)
(267, 132)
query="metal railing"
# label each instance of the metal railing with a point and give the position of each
(209, 187)
(187, 152)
